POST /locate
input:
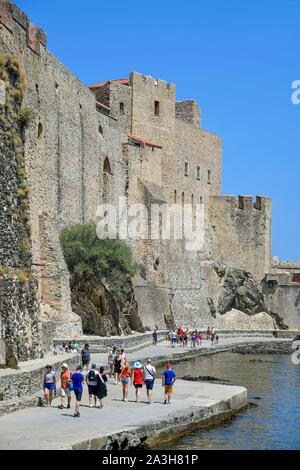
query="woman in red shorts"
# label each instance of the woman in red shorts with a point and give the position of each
(137, 379)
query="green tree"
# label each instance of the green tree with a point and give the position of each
(88, 257)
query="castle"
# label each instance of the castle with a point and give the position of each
(124, 137)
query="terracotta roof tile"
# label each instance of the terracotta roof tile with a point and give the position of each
(123, 81)
(144, 141)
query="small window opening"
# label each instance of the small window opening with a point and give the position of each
(182, 198)
(201, 199)
(208, 176)
(198, 172)
(100, 130)
(122, 108)
(186, 169)
(156, 108)
(175, 196)
(40, 129)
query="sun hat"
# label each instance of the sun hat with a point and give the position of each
(137, 365)
(65, 365)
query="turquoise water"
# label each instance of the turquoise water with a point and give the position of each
(273, 424)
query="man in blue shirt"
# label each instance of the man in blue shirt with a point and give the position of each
(77, 379)
(169, 377)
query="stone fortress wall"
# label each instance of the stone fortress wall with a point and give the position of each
(128, 137)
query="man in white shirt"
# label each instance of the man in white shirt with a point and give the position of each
(149, 376)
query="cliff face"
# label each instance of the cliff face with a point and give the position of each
(101, 313)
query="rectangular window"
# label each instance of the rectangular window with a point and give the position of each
(208, 176)
(198, 172)
(156, 108)
(186, 169)
(122, 108)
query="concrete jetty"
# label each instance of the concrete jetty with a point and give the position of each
(120, 425)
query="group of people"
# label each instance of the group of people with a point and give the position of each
(96, 380)
(194, 337)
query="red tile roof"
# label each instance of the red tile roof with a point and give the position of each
(123, 81)
(144, 141)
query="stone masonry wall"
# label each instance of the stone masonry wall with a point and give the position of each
(242, 232)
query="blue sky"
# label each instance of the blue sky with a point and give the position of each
(238, 59)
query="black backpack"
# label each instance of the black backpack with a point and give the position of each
(92, 376)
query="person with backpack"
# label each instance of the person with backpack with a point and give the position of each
(149, 377)
(92, 383)
(137, 379)
(86, 356)
(49, 384)
(65, 378)
(78, 381)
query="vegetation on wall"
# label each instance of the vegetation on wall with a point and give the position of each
(87, 256)
(13, 122)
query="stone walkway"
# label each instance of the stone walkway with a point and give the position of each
(51, 428)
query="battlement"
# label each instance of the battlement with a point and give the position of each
(245, 202)
(11, 17)
(161, 85)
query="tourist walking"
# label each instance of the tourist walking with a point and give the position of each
(194, 340)
(149, 377)
(110, 360)
(86, 356)
(123, 356)
(78, 380)
(117, 367)
(92, 383)
(208, 332)
(65, 392)
(101, 387)
(154, 337)
(212, 337)
(169, 377)
(125, 380)
(137, 379)
(174, 339)
(49, 384)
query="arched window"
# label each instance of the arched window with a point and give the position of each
(106, 176)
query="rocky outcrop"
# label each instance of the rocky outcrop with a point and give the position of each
(239, 292)
(101, 313)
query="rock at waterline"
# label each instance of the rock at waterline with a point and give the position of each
(205, 378)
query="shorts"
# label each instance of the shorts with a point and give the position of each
(65, 392)
(168, 388)
(85, 363)
(125, 380)
(149, 384)
(138, 385)
(50, 386)
(117, 371)
(92, 389)
(78, 394)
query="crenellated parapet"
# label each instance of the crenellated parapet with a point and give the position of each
(241, 226)
(11, 16)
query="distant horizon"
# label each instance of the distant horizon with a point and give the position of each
(237, 61)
